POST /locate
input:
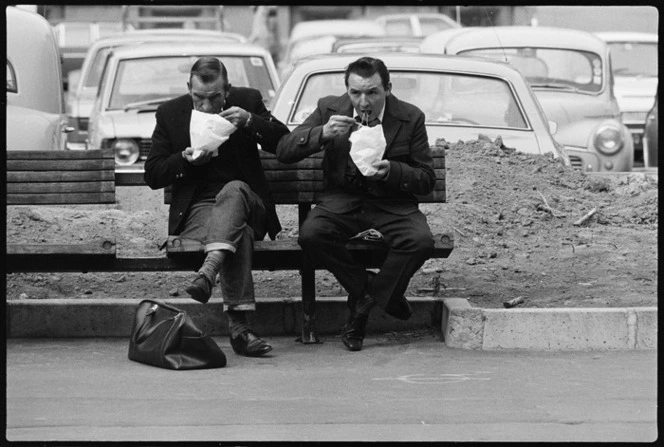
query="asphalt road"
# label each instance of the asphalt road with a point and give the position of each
(399, 388)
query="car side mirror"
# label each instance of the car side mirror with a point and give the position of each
(553, 127)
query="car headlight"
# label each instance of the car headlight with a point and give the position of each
(608, 139)
(126, 151)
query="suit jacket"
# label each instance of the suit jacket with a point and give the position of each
(165, 165)
(411, 162)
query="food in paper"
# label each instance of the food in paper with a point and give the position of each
(367, 147)
(208, 131)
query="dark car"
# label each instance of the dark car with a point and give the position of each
(650, 149)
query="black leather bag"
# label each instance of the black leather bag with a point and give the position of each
(166, 337)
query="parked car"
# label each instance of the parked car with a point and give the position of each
(415, 24)
(84, 91)
(317, 37)
(569, 71)
(634, 64)
(650, 141)
(460, 97)
(36, 119)
(139, 79)
(377, 44)
(74, 39)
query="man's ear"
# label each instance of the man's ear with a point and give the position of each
(188, 86)
(388, 90)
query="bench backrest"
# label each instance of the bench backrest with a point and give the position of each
(302, 182)
(60, 177)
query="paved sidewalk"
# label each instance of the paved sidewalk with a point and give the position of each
(404, 387)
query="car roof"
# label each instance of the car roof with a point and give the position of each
(166, 35)
(437, 42)
(404, 15)
(526, 36)
(627, 36)
(148, 49)
(414, 61)
(336, 27)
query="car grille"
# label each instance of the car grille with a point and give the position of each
(144, 147)
(576, 162)
(634, 117)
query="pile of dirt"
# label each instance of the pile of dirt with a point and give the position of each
(524, 225)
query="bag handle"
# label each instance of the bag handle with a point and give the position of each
(141, 333)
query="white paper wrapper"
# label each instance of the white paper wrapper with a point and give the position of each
(208, 131)
(367, 147)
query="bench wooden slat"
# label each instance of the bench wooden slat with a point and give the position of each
(59, 176)
(60, 165)
(59, 155)
(61, 199)
(61, 187)
(99, 247)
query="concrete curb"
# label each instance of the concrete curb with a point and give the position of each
(466, 327)
(460, 324)
(73, 318)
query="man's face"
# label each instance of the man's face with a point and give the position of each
(208, 98)
(367, 94)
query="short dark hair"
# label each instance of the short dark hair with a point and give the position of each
(209, 69)
(367, 67)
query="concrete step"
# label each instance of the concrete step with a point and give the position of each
(459, 324)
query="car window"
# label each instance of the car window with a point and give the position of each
(430, 25)
(634, 58)
(445, 99)
(96, 68)
(157, 78)
(552, 68)
(398, 27)
(12, 87)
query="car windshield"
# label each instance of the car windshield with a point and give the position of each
(445, 98)
(634, 58)
(157, 78)
(565, 69)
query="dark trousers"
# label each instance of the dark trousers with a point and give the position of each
(323, 236)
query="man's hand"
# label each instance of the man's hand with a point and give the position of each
(202, 159)
(338, 125)
(236, 115)
(383, 167)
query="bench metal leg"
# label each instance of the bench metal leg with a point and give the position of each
(308, 276)
(309, 334)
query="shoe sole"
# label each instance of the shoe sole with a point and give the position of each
(196, 294)
(257, 354)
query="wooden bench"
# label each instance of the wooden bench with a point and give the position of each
(297, 184)
(60, 178)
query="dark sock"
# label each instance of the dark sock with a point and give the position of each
(363, 306)
(212, 265)
(237, 322)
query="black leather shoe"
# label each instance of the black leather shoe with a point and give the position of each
(354, 332)
(249, 345)
(200, 289)
(399, 308)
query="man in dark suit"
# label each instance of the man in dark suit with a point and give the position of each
(221, 200)
(353, 203)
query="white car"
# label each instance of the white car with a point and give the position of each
(313, 37)
(83, 92)
(139, 79)
(569, 72)
(415, 24)
(36, 119)
(634, 64)
(462, 98)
